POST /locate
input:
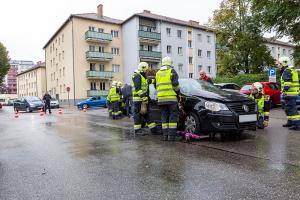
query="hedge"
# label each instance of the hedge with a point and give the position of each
(242, 79)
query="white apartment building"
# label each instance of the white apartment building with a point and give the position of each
(278, 48)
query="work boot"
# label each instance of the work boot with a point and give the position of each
(156, 131)
(287, 125)
(172, 138)
(294, 128)
(165, 138)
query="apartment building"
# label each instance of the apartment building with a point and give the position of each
(278, 48)
(32, 82)
(150, 37)
(84, 54)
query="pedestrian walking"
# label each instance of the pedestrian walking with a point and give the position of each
(47, 99)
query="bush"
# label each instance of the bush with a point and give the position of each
(242, 79)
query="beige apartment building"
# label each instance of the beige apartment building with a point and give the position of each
(32, 82)
(84, 54)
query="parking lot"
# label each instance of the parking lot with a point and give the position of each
(85, 155)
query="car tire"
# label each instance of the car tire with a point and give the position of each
(192, 123)
(28, 110)
(85, 106)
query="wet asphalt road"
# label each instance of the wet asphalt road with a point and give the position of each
(81, 156)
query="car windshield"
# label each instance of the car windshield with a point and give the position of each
(53, 99)
(246, 87)
(194, 87)
(32, 99)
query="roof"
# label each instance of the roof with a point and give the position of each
(278, 42)
(148, 14)
(89, 16)
(31, 69)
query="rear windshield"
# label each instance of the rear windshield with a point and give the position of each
(273, 86)
(32, 99)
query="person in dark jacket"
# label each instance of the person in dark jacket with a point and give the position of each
(127, 98)
(47, 99)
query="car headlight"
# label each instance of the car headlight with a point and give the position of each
(214, 106)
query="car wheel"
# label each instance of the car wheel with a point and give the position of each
(85, 106)
(27, 109)
(192, 123)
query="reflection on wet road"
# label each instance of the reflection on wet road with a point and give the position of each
(86, 156)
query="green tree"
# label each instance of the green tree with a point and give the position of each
(282, 17)
(4, 62)
(241, 46)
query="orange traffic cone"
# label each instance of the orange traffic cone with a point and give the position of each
(17, 114)
(60, 111)
(41, 112)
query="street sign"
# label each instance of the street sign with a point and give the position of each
(272, 79)
(272, 72)
(68, 89)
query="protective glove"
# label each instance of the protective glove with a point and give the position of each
(145, 100)
(266, 123)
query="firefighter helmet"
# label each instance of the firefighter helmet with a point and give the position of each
(114, 83)
(167, 61)
(143, 67)
(285, 61)
(258, 86)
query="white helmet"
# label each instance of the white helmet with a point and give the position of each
(143, 67)
(258, 86)
(285, 61)
(114, 83)
(167, 61)
(119, 84)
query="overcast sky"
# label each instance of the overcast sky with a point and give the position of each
(26, 25)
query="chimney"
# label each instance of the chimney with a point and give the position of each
(100, 10)
(146, 11)
(194, 23)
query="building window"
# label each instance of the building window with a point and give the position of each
(50, 63)
(60, 73)
(115, 51)
(92, 48)
(169, 49)
(189, 32)
(101, 67)
(50, 49)
(91, 28)
(180, 67)
(149, 48)
(190, 60)
(179, 33)
(102, 85)
(168, 31)
(209, 69)
(100, 30)
(179, 50)
(93, 86)
(115, 68)
(190, 43)
(63, 38)
(92, 67)
(199, 53)
(208, 54)
(283, 52)
(64, 88)
(278, 56)
(190, 75)
(273, 49)
(114, 33)
(59, 41)
(199, 68)
(59, 56)
(199, 36)
(208, 39)
(56, 52)
(64, 69)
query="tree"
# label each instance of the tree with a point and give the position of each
(240, 39)
(4, 62)
(282, 17)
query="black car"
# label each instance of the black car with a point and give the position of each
(208, 109)
(28, 104)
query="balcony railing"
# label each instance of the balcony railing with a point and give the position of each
(98, 37)
(149, 35)
(150, 54)
(100, 56)
(92, 93)
(99, 75)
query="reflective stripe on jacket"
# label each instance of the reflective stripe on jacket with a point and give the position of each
(113, 96)
(144, 88)
(165, 90)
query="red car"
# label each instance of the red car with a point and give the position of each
(270, 89)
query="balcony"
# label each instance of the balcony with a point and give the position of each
(150, 55)
(94, 75)
(98, 56)
(92, 93)
(147, 37)
(92, 36)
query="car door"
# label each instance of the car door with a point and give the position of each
(274, 90)
(17, 104)
(21, 104)
(98, 102)
(93, 102)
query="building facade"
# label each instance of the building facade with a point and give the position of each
(32, 82)
(85, 55)
(150, 37)
(278, 48)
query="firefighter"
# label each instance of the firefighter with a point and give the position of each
(121, 103)
(290, 91)
(263, 105)
(140, 93)
(113, 99)
(167, 87)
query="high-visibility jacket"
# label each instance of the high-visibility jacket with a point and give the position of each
(293, 84)
(166, 92)
(260, 105)
(113, 95)
(143, 91)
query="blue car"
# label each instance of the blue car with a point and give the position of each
(93, 102)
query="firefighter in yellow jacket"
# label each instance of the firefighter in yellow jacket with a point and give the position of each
(113, 99)
(167, 87)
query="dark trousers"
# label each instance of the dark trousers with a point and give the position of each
(115, 109)
(291, 111)
(138, 118)
(169, 118)
(47, 106)
(128, 104)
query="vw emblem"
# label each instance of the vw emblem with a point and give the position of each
(246, 108)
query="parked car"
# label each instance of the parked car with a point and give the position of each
(54, 103)
(228, 87)
(270, 89)
(10, 102)
(0, 105)
(28, 104)
(209, 109)
(92, 102)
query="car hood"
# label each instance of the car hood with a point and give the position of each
(226, 96)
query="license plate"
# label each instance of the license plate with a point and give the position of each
(247, 118)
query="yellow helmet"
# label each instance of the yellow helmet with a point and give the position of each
(285, 61)
(143, 67)
(114, 83)
(258, 86)
(119, 84)
(167, 61)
